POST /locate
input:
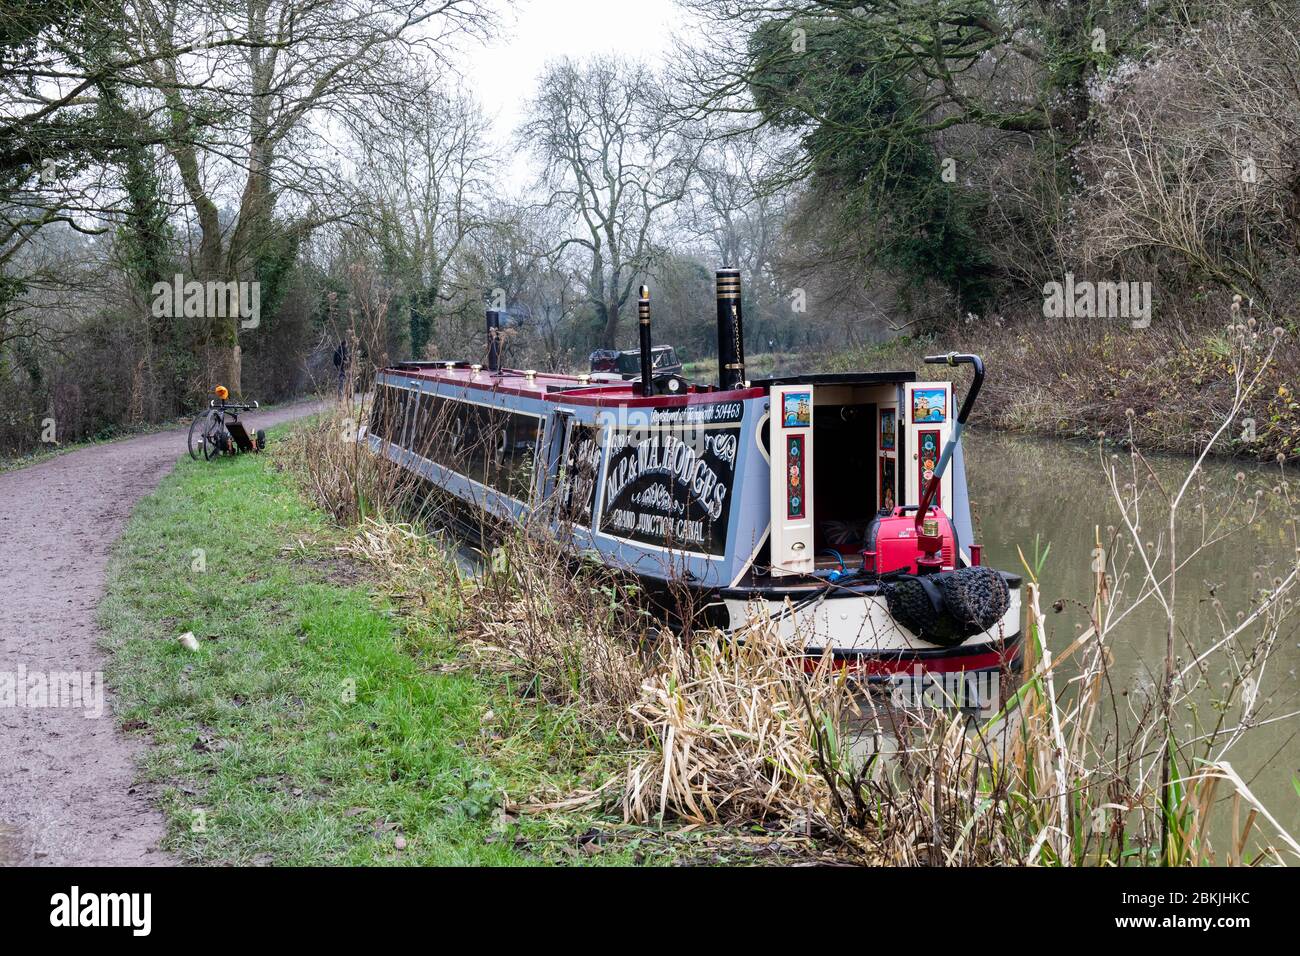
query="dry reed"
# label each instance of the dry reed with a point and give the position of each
(727, 727)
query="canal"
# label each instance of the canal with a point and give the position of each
(1025, 490)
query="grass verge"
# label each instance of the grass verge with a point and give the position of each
(313, 726)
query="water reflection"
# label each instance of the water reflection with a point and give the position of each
(1056, 490)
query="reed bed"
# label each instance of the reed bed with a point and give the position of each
(574, 634)
(726, 730)
(339, 473)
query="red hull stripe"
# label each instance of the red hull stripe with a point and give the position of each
(897, 664)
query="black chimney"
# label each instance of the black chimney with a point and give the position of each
(494, 340)
(643, 318)
(731, 346)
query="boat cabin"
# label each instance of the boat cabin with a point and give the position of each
(626, 363)
(775, 479)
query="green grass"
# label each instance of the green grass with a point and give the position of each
(314, 725)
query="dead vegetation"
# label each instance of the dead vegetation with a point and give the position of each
(564, 628)
(1071, 378)
(726, 732)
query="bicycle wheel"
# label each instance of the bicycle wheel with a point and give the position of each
(200, 441)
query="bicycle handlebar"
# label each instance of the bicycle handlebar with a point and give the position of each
(232, 406)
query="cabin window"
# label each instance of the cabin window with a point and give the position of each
(380, 413)
(492, 446)
(581, 466)
(512, 443)
(410, 400)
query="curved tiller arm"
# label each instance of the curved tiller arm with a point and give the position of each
(932, 488)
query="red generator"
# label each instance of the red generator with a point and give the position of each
(898, 544)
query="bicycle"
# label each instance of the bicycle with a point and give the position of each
(217, 430)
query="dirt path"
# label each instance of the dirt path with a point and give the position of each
(67, 780)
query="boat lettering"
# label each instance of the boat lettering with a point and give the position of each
(669, 484)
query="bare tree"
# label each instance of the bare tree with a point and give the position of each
(251, 110)
(610, 158)
(735, 207)
(428, 179)
(514, 264)
(1194, 164)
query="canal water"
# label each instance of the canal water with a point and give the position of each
(1057, 492)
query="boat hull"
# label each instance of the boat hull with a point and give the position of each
(861, 634)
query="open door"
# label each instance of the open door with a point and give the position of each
(791, 480)
(887, 432)
(928, 412)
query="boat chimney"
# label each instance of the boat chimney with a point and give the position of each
(494, 340)
(643, 318)
(731, 347)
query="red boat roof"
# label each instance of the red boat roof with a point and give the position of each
(566, 389)
(606, 389)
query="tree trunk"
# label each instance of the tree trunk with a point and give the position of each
(222, 366)
(609, 337)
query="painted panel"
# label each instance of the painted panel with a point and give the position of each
(929, 406)
(791, 480)
(921, 438)
(796, 410)
(888, 429)
(796, 491)
(669, 476)
(888, 483)
(929, 445)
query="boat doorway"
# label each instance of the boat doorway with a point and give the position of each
(835, 464)
(845, 495)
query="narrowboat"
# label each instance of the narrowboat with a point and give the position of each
(834, 504)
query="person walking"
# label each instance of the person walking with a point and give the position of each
(342, 360)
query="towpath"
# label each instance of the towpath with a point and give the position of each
(68, 793)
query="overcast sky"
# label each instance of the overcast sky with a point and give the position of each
(503, 75)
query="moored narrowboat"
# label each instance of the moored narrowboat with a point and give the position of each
(834, 504)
